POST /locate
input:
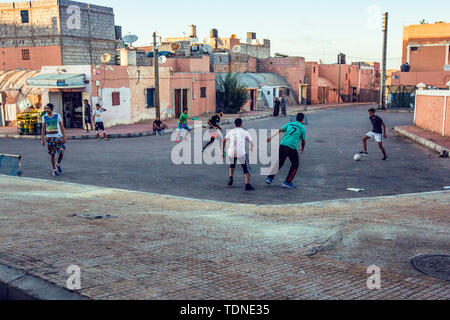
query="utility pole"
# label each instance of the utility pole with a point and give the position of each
(383, 67)
(156, 68)
(339, 81)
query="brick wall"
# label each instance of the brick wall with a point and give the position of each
(429, 114)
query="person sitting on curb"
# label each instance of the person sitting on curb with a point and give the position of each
(159, 127)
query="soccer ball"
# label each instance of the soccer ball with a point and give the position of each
(357, 157)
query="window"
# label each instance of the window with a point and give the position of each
(24, 16)
(314, 70)
(414, 48)
(203, 92)
(288, 92)
(116, 98)
(25, 54)
(150, 98)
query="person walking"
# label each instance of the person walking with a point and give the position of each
(54, 133)
(283, 103)
(294, 133)
(276, 107)
(87, 115)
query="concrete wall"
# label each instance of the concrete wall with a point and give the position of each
(293, 69)
(435, 79)
(433, 111)
(51, 30)
(427, 59)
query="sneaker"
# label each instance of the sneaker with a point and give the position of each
(363, 153)
(58, 167)
(249, 187)
(269, 180)
(289, 185)
(385, 159)
(55, 173)
(230, 183)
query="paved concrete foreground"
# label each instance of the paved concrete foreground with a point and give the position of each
(162, 247)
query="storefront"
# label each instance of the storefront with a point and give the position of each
(66, 92)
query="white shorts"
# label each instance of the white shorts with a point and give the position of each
(377, 136)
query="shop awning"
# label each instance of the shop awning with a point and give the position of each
(58, 81)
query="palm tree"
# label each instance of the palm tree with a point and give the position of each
(231, 94)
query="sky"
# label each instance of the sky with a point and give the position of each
(311, 29)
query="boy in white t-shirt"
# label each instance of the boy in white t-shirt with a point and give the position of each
(98, 120)
(237, 139)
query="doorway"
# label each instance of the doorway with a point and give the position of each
(180, 101)
(72, 109)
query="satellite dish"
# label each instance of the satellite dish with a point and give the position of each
(162, 59)
(236, 49)
(207, 48)
(130, 39)
(175, 46)
(105, 58)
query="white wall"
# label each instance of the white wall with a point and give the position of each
(115, 114)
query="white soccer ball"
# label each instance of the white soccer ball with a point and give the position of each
(357, 157)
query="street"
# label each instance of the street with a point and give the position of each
(327, 167)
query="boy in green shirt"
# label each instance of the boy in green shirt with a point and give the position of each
(182, 124)
(295, 133)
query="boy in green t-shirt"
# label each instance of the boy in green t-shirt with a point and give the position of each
(294, 133)
(182, 124)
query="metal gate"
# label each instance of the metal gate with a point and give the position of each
(401, 97)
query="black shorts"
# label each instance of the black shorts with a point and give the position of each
(243, 162)
(99, 126)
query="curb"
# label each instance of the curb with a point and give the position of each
(422, 141)
(18, 285)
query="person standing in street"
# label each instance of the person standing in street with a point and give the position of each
(237, 138)
(276, 107)
(98, 119)
(54, 133)
(88, 115)
(283, 105)
(294, 133)
(378, 133)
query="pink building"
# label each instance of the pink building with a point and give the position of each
(426, 48)
(128, 92)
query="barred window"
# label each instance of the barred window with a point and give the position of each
(25, 54)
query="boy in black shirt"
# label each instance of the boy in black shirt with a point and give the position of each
(158, 127)
(378, 133)
(213, 124)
